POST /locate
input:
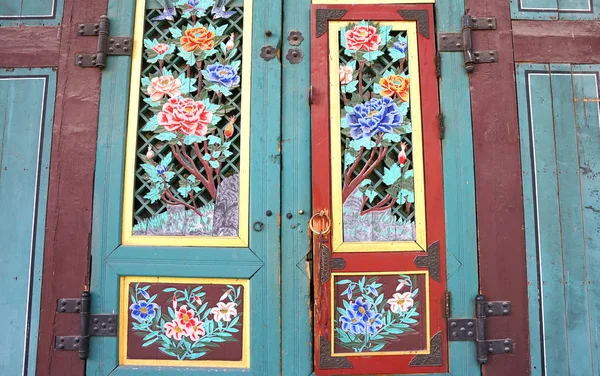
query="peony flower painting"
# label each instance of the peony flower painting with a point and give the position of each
(187, 180)
(378, 313)
(377, 177)
(185, 322)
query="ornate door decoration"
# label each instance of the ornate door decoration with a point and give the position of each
(381, 273)
(188, 138)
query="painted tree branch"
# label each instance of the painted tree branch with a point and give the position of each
(382, 205)
(170, 199)
(182, 156)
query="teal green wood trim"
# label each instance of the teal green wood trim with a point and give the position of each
(31, 12)
(459, 189)
(47, 86)
(588, 136)
(179, 371)
(528, 171)
(265, 175)
(555, 9)
(297, 352)
(566, 121)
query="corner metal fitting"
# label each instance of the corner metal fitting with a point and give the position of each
(106, 46)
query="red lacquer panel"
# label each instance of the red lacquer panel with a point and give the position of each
(377, 180)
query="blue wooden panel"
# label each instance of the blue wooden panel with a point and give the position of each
(459, 189)
(558, 114)
(585, 85)
(30, 12)
(27, 108)
(295, 196)
(530, 213)
(555, 9)
(574, 269)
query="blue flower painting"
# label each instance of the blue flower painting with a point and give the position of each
(143, 311)
(224, 75)
(379, 115)
(385, 309)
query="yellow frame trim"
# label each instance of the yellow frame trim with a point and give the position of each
(379, 353)
(373, 2)
(336, 153)
(130, 155)
(124, 318)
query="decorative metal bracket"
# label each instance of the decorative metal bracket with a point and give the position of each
(323, 17)
(101, 325)
(326, 361)
(463, 41)
(422, 18)
(107, 45)
(328, 263)
(434, 358)
(474, 329)
(431, 261)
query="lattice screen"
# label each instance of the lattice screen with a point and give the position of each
(144, 209)
(372, 74)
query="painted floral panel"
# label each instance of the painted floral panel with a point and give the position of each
(188, 144)
(185, 321)
(379, 313)
(378, 178)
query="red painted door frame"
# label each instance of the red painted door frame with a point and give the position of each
(69, 213)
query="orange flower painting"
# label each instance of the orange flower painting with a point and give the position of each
(197, 38)
(395, 85)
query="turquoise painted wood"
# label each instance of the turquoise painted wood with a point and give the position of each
(30, 12)
(26, 117)
(297, 354)
(554, 9)
(260, 263)
(459, 189)
(557, 127)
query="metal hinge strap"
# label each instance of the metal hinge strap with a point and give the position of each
(473, 329)
(107, 45)
(442, 125)
(463, 41)
(90, 325)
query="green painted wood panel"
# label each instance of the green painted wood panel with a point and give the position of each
(554, 9)
(26, 116)
(30, 12)
(296, 299)
(556, 124)
(459, 189)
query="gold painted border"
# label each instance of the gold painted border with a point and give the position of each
(130, 151)
(124, 318)
(377, 353)
(336, 153)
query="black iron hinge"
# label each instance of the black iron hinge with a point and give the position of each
(463, 41)
(438, 65)
(442, 125)
(107, 45)
(473, 329)
(91, 325)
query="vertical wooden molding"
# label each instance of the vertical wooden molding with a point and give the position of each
(500, 220)
(69, 213)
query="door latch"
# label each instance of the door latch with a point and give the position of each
(107, 45)
(91, 325)
(474, 329)
(463, 41)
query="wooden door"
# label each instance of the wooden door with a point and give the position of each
(186, 238)
(538, 249)
(379, 225)
(25, 136)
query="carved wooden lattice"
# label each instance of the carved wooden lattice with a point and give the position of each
(388, 200)
(196, 203)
